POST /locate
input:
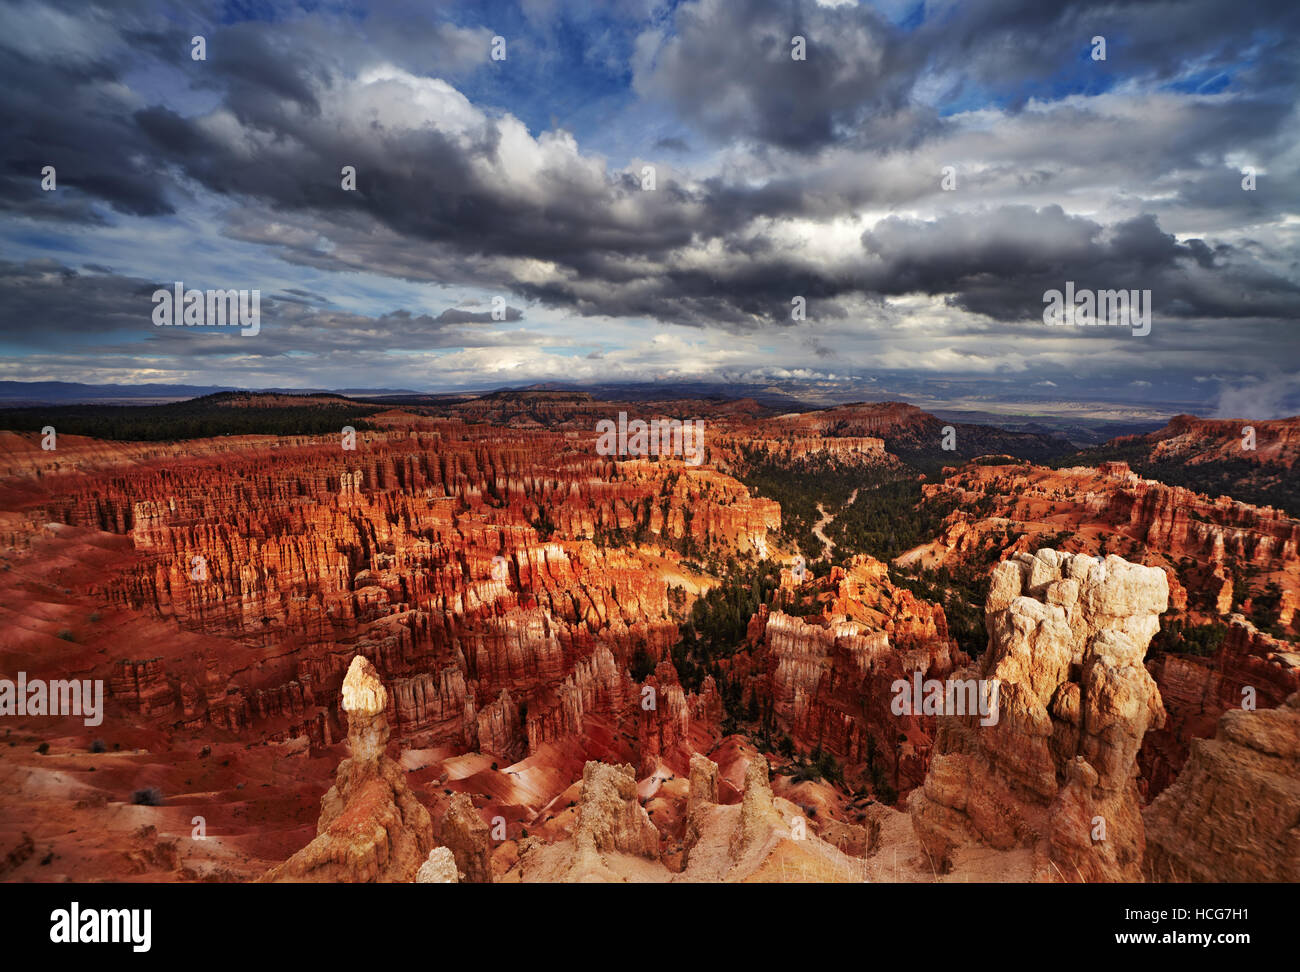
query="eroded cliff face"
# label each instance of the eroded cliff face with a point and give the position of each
(1196, 441)
(775, 442)
(472, 566)
(829, 677)
(1057, 771)
(372, 827)
(1112, 504)
(1233, 814)
(1250, 666)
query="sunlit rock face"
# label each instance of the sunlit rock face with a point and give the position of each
(1057, 771)
(830, 676)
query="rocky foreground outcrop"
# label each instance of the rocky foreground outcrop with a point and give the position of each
(1219, 554)
(763, 838)
(1056, 772)
(440, 868)
(610, 819)
(463, 832)
(614, 839)
(372, 827)
(1233, 814)
(703, 794)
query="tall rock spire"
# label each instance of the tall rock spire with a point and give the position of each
(1056, 770)
(371, 827)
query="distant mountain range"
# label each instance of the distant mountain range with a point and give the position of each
(24, 393)
(1080, 431)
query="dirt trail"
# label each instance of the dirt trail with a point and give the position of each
(825, 521)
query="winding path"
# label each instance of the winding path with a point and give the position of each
(825, 521)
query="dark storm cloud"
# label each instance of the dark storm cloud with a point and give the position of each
(454, 191)
(859, 79)
(64, 79)
(999, 264)
(67, 114)
(995, 262)
(741, 53)
(613, 242)
(432, 185)
(672, 144)
(45, 305)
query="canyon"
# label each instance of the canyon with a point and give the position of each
(466, 651)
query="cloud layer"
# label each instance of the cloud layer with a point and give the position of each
(919, 180)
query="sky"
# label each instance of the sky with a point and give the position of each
(889, 210)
